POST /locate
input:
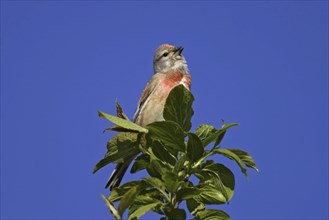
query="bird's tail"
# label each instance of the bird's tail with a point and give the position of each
(117, 174)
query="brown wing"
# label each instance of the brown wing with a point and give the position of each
(149, 88)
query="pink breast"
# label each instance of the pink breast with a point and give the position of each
(173, 79)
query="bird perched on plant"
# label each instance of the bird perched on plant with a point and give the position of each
(170, 70)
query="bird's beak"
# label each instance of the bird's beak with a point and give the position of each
(178, 50)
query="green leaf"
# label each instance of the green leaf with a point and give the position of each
(151, 194)
(157, 184)
(180, 164)
(177, 214)
(169, 133)
(231, 155)
(188, 193)
(118, 192)
(157, 168)
(212, 214)
(222, 134)
(141, 162)
(141, 205)
(171, 181)
(124, 152)
(245, 157)
(209, 194)
(194, 148)
(219, 176)
(127, 199)
(119, 129)
(160, 151)
(219, 138)
(217, 135)
(194, 206)
(111, 208)
(122, 122)
(114, 142)
(120, 144)
(139, 210)
(178, 107)
(204, 131)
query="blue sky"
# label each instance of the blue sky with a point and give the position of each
(261, 64)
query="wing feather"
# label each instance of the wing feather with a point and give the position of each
(149, 88)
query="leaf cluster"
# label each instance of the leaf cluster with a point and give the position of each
(171, 154)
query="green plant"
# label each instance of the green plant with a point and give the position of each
(171, 154)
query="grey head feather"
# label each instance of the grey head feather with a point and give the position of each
(168, 58)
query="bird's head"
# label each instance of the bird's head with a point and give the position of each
(169, 58)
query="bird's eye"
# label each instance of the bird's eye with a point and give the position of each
(165, 54)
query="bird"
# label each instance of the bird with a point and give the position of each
(170, 69)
